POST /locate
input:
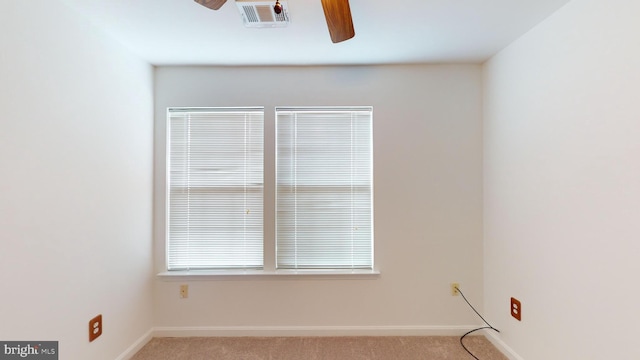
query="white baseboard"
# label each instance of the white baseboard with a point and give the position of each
(133, 349)
(504, 348)
(228, 331)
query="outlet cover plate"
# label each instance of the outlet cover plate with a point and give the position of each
(454, 289)
(95, 327)
(516, 309)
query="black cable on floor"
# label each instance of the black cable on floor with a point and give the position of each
(474, 330)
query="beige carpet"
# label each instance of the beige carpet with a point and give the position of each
(319, 348)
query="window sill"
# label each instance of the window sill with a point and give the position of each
(266, 274)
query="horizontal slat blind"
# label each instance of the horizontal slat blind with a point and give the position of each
(324, 188)
(215, 188)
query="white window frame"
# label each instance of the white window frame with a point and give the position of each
(269, 242)
(214, 216)
(324, 188)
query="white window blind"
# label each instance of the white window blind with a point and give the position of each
(324, 188)
(215, 188)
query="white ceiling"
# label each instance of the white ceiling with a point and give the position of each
(182, 32)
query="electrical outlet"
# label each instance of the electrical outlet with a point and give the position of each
(95, 327)
(184, 291)
(454, 289)
(516, 309)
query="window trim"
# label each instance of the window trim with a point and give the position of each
(310, 117)
(311, 274)
(167, 161)
(268, 272)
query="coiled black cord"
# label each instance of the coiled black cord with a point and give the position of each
(474, 330)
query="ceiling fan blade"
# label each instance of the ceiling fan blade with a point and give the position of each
(212, 4)
(338, 15)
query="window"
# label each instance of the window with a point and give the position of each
(324, 188)
(215, 188)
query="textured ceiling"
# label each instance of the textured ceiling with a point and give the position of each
(182, 32)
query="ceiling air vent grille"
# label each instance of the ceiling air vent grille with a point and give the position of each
(261, 14)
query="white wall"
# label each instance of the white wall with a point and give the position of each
(76, 183)
(562, 184)
(428, 198)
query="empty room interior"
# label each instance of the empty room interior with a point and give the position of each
(505, 147)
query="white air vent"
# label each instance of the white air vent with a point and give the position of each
(261, 14)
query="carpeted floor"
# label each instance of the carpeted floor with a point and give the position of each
(318, 348)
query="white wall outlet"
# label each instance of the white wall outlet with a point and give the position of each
(454, 289)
